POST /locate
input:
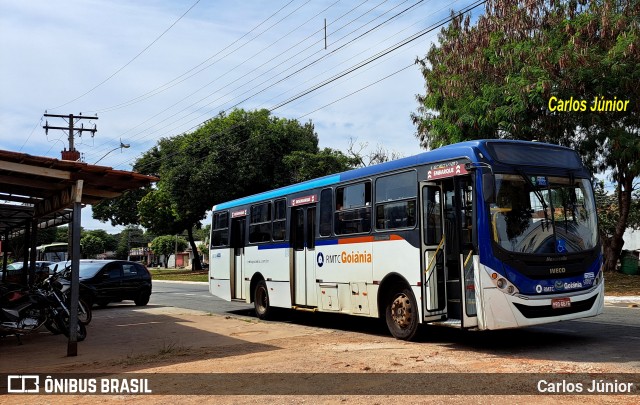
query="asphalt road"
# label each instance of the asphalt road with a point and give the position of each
(613, 337)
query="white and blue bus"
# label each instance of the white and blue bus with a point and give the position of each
(486, 234)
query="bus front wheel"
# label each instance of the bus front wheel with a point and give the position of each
(261, 300)
(401, 313)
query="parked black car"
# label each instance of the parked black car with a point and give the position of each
(105, 281)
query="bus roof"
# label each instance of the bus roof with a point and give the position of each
(467, 150)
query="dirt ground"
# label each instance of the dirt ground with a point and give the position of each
(183, 347)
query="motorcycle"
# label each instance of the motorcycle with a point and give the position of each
(60, 280)
(23, 311)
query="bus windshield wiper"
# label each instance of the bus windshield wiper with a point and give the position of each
(537, 192)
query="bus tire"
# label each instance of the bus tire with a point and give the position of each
(261, 300)
(401, 313)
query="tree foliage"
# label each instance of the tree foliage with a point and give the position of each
(91, 245)
(609, 211)
(166, 245)
(496, 78)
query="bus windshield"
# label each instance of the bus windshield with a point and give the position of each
(543, 215)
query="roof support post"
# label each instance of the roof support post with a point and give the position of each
(25, 257)
(72, 345)
(33, 241)
(5, 248)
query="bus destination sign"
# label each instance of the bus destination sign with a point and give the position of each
(446, 170)
(240, 213)
(309, 199)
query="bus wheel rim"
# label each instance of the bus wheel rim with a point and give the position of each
(401, 311)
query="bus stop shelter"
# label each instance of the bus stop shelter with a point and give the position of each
(39, 192)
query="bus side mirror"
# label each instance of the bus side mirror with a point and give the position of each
(489, 187)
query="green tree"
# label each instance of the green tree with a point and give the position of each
(303, 165)
(609, 211)
(91, 245)
(166, 245)
(109, 241)
(128, 238)
(497, 77)
(202, 233)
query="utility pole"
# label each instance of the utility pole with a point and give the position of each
(71, 129)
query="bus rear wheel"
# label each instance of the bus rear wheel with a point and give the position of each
(401, 313)
(261, 300)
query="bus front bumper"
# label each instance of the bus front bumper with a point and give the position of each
(503, 311)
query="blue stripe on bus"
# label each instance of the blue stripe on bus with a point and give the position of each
(326, 242)
(284, 245)
(280, 192)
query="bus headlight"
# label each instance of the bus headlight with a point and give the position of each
(502, 283)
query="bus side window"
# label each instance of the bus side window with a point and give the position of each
(396, 201)
(353, 209)
(260, 223)
(325, 212)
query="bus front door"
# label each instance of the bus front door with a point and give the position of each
(433, 252)
(238, 226)
(448, 247)
(303, 275)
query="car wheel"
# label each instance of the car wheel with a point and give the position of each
(143, 298)
(102, 303)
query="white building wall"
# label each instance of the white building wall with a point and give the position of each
(631, 240)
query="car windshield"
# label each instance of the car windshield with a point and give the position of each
(90, 269)
(15, 266)
(543, 215)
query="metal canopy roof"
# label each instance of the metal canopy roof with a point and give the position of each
(44, 188)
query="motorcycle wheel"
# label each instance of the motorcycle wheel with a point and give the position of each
(81, 332)
(52, 327)
(84, 312)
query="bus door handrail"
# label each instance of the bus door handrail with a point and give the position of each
(435, 254)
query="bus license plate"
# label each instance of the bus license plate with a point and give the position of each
(558, 303)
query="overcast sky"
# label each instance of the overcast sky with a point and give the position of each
(79, 56)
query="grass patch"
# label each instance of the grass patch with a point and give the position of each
(167, 351)
(179, 275)
(618, 284)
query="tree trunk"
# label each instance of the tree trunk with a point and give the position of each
(612, 246)
(195, 263)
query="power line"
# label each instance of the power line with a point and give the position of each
(176, 80)
(288, 76)
(355, 55)
(193, 127)
(398, 45)
(31, 133)
(128, 63)
(241, 77)
(377, 56)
